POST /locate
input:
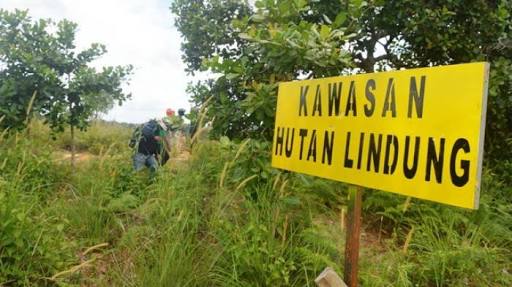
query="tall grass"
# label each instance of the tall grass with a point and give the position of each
(33, 244)
(224, 218)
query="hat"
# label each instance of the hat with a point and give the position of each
(169, 112)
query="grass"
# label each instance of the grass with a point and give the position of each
(225, 218)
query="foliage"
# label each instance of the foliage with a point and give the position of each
(424, 33)
(225, 218)
(207, 227)
(251, 225)
(208, 29)
(33, 245)
(289, 40)
(40, 57)
(100, 138)
(271, 45)
(28, 169)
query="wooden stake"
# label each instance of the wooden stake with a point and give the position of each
(353, 234)
(329, 278)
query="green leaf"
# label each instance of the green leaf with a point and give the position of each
(245, 36)
(257, 18)
(325, 32)
(340, 19)
(232, 76)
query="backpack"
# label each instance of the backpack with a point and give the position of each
(150, 128)
(147, 130)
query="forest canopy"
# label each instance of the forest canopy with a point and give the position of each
(250, 48)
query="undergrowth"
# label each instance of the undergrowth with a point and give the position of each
(224, 217)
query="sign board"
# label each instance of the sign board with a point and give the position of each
(415, 132)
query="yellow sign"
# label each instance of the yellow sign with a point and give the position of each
(415, 132)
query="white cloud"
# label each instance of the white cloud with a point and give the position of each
(137, 32)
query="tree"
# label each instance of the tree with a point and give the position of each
(448, 32)
(40, 56)
(26, 61)
(208, 29)
(293, 39)
(273, 44)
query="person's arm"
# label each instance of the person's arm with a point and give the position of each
(164, 139)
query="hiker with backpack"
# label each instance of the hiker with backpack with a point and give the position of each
(152, 144)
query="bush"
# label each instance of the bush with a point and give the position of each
(33, 246)
(98, 138)
(226, 218)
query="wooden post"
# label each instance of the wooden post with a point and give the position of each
(353, 232)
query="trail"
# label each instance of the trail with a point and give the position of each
(65, 155)
(180, 153)
(96, 266)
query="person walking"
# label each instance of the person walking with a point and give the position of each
(176, 125)
(151, 144)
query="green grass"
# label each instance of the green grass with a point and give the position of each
(225, 218)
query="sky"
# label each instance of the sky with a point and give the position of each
(137, 32)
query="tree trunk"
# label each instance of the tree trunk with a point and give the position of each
(73, 146)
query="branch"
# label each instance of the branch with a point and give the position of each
(358, 56)
(73, 269)
(383, 57)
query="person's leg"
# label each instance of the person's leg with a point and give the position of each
(139, 160)
(152, 163)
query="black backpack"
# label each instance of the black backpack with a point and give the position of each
(147, 130)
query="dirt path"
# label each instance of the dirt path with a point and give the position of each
(65, 155)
